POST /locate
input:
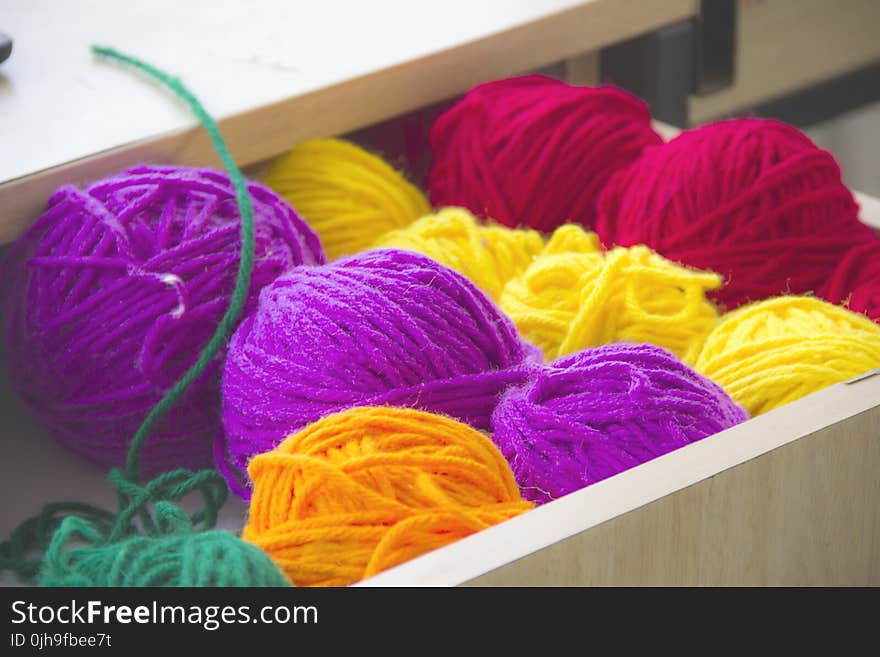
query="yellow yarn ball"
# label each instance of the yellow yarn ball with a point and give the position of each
(573, 296)
(347, 195)
(488, 255)
(573, 240)
(772, 352)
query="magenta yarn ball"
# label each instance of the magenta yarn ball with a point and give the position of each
(601, 411)
(383, 327)
(112, 294)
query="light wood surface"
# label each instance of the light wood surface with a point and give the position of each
(786, 45)
(787, 498)
(273, 73)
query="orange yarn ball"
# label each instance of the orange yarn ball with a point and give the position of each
(368, 488)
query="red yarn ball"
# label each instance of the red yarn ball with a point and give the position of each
(752, 199)
(855, 283)
(534, 151)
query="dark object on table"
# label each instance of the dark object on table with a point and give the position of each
(5, 47)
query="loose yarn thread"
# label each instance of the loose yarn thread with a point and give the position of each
(534, 151)
(573, 296)
(366, 489)
(752, 199)
(384, 327)
(489, 255)
(349, 196)
(601, 411)
(772, 352)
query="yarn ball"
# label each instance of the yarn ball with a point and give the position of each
(855, 283)
(487, 255)
(574, 296)
(601, 411)
(113, 292)
(775, 351)
(349, 196)
(385, 327)
(752, 199)
(213, 558)
(534, 151)
(366, 489)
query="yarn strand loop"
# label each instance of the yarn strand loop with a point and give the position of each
(153, 504)
(246, 264)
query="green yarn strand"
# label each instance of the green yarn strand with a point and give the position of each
(37, 532)
(150, 540)
(246, 262)
(169, 487)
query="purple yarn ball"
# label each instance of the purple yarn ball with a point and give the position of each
(114, 291)
(383, 327)
(601, 411)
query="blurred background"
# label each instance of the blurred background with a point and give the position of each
(812, 63)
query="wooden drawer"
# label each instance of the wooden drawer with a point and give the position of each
(790, 497)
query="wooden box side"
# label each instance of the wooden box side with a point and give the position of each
(787, 498)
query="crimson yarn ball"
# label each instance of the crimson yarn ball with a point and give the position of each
(111, 295)
(855, 283)
(534, 151)
(751, 199)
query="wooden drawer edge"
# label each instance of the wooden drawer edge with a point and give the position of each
(501, 554)
(270, 130)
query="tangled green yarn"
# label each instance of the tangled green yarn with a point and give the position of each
(211, 558)
(151, 540)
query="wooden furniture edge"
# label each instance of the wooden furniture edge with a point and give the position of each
(269, 130)
(500, 554)
(805, 514)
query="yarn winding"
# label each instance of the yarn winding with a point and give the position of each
(489, 255)
(109, 297)
(855, 282)
(772, 352)
(366, 489)
(385, 327)
(574, 296)
(601, 411)
(212, 558)
(752, 199)
(534, 151)
(349, 196)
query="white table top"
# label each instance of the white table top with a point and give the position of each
(272, 72)
(58, 104)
